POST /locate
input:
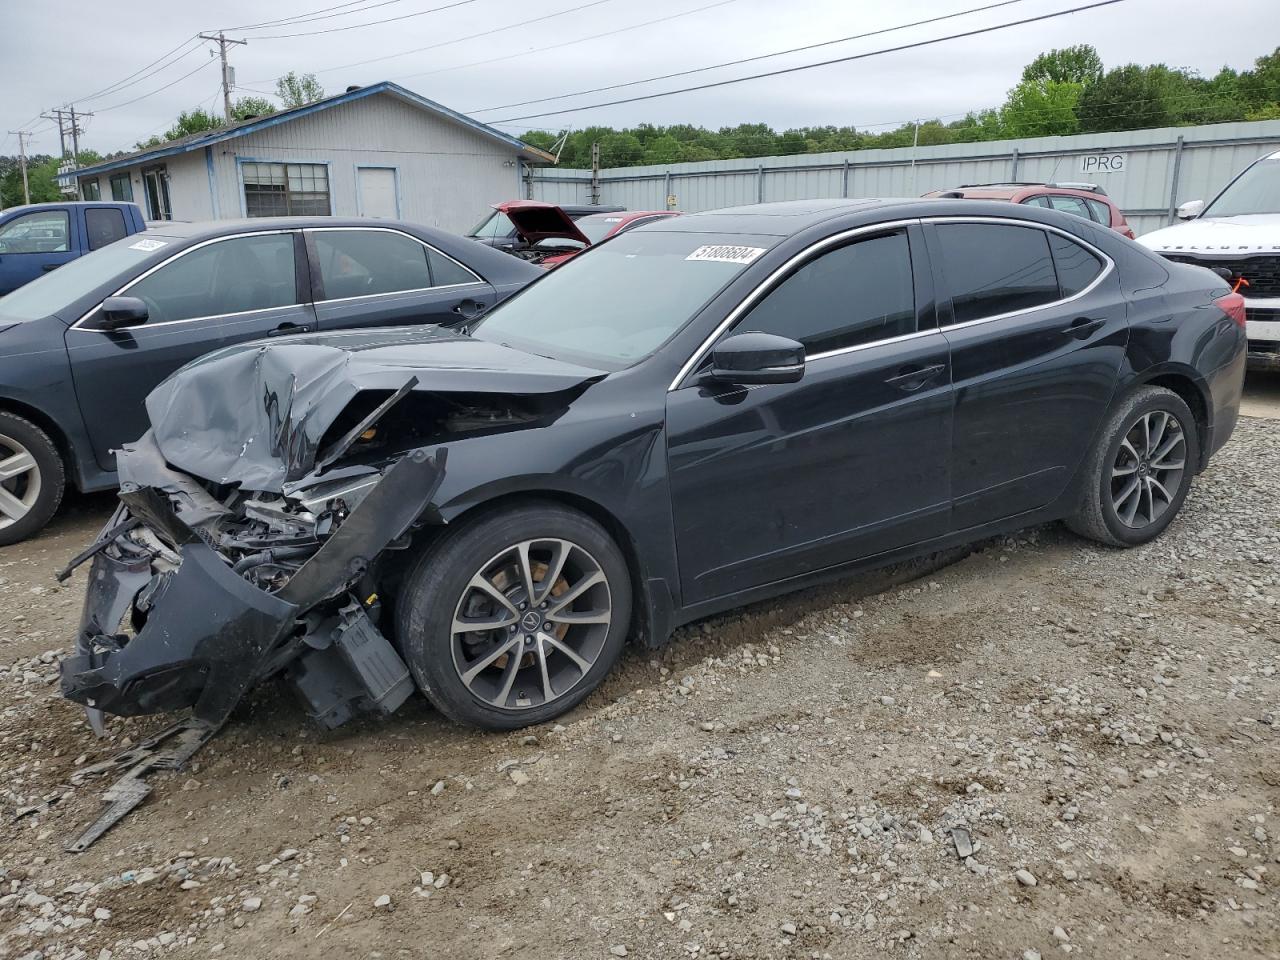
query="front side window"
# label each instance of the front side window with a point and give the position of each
(360, 263)
(993, 268)
(122, 188)
(855, 294)
(104, 225)
(285, 189)
(45, 231)
(91, 189)
(227, 276)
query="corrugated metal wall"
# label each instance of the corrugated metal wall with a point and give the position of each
(1205, 158)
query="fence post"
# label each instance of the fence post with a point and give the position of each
(844, 185)
(1177, 173)
(666, 191)
(1013, 177)
(760, 183)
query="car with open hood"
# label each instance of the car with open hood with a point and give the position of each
(775, 395)
(1238, 235)
(81, 348)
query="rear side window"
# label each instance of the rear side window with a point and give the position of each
(993, 268)
(1072, 205)
(447, 273)
(360, 263)
(1076, 266)
(1101, 212)
(105, 225)
(852, 295)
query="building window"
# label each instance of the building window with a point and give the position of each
(90, 189)
(286, 189)
(122, 188)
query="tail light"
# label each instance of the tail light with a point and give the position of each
(1232, 304)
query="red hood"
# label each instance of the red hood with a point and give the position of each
(536, 221)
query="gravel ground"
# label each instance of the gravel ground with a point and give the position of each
(1095, 731)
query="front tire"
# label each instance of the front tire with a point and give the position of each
(31, 478)
(516, 617)
(1139, 472)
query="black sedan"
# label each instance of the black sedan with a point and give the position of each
(81, 348)
(699, 413)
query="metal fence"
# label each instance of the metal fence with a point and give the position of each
(1146, 172)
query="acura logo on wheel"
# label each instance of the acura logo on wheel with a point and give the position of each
(531, 620)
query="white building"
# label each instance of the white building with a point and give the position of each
(375, 151)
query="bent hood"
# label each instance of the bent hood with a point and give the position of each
(1231, 236)
(254, 415)
(536, 221)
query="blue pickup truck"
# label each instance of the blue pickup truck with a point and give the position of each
(43, 236)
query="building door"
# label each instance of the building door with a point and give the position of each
(156, 184)
(378, 194)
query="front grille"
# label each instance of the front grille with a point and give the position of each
(1263, 273)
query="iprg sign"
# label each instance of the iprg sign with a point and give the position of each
(1094, 163)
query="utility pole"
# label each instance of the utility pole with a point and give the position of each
(76, 130)
(228, 72)
(62, 133)
(22, 160)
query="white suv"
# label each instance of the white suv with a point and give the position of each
(1239, 232)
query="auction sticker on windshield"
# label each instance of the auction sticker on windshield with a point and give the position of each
(147, 245)
(726, 253)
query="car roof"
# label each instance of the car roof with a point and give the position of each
(217, 228)
(33, 207)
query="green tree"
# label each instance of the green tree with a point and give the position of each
(247, 107)
(1041, 108)
(1079, 64)
(296, 90)
(1131, 97)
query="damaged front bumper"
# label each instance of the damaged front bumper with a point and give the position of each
(193, 614)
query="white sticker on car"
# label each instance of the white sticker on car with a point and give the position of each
(147, 245)
(726, 253)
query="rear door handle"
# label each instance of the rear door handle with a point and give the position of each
(287, 328)
(1083, 327)
(914, 376)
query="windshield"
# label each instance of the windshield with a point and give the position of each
(493, 226)
(55, 291)
(596, 227)
(1257, 190)
(620, 303)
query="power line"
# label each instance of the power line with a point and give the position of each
(763, 56)
(824, 63)
(117, 106)
(566, 43)
(130, 79)
(445, 43)
(371, 23)
(311, 15)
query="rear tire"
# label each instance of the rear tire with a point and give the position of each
(510, 671)
(1138, 474)
(32, 478)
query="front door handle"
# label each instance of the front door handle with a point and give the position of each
(287, 328)
(1083, 327)
(468, 309)
(914, 376)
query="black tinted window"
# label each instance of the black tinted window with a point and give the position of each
(992, 268)
(1076, 266)
(444, 272)
(856, 294)
(105, 225)
(357, 263)
(230, 276)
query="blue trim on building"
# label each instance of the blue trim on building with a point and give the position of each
(265, 123)
(213, 183)
(373, 166)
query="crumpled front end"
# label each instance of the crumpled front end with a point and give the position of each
(193, 599)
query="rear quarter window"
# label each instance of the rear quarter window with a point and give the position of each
(1076, 266)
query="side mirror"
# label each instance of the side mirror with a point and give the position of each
(119, 312)
(751, 358)
(1189, 210)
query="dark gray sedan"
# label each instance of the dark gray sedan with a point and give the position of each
(81, 348)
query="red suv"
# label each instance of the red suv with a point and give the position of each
(1086, 200)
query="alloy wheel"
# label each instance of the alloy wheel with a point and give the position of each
(19, 481)
(531, 623)
(1148, 468)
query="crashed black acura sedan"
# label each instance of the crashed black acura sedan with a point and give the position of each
(698, 413)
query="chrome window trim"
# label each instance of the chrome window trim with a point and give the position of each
(766, 285)
(392, 293)
(177, 256)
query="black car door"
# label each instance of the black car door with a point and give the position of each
(378, 276)
(1037, 325)
(774, 481)
(210, 295)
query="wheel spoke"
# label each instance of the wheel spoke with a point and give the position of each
(525, 570)
(496, 621)
(1156, 485)
(1124, 471)
(581, 616)
(474, 670)
(569, 652)
(485, 585)
(1134, 498)
(1146, 434)
(574, 592)
(11, 506)
(16, 465)
(509, 677)
(1157, 436)
(547, 693)
(1122, 497)
(1150, 499)
(554, 569)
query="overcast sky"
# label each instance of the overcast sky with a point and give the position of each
(47, 60)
